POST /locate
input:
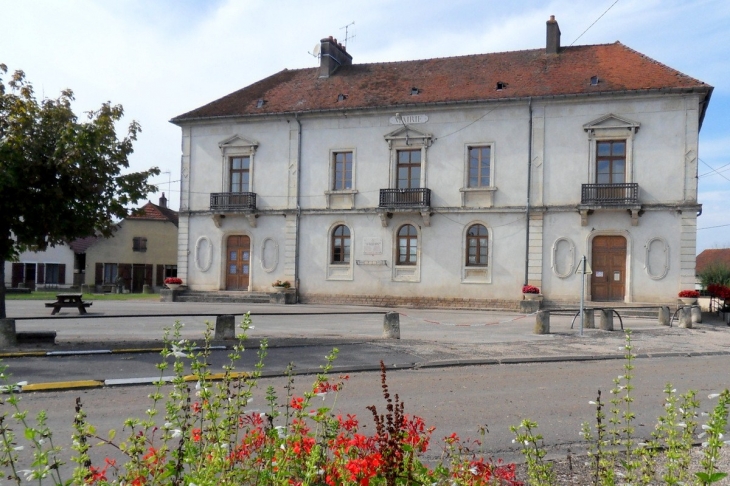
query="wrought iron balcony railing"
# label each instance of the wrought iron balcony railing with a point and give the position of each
(394, 198)
(610, 194)
(231, 201)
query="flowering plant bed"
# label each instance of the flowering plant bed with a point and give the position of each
(530, 289)
(173, 281)
(689, 294)
(285, 284)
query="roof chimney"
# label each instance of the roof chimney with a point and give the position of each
(553, 36)
(163, 201)
(331, 56)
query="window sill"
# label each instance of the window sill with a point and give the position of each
(477, 197)
(341, 199)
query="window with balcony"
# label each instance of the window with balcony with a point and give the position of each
(408, 189)
(238, 176)
(611, 162)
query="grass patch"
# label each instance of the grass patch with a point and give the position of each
(51, 296)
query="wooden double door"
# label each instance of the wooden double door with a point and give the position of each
(608, 262)
(238, 265)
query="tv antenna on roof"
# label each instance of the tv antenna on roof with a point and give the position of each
(348, 37)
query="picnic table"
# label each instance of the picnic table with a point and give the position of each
(68, 300)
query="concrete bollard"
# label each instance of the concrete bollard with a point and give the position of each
(589, 319)
(225, 327)
(542, 322)
(146, 289)
(8, 337)
(391, 326)
(663, 315)
(685, 317)
(696, 313)
(606, 320)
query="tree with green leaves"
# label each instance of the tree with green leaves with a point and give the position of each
(61, 178)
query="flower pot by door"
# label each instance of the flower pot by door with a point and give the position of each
(688, 300)
(173, 286)
(532, 296)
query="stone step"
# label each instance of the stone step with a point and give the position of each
(223, 297)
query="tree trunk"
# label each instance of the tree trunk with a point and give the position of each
(2, 290)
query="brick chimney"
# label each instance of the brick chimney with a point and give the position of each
(331, 56)
(163, 201)
(552, 46)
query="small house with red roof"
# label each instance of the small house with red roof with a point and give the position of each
(142, 251)
(448, 182)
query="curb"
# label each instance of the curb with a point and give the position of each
(81, 384)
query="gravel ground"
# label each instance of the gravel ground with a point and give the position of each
(576, 470)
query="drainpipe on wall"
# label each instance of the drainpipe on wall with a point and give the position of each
(529, 182)
(299, 211)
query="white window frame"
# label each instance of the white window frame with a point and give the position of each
(340, 271)
(407, 273)
(476, 274)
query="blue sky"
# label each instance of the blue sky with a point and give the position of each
(162, 58)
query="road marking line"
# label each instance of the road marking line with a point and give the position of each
(64, 385)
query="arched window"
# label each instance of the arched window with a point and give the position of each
(407, 245)
(341, 245)
(476, 246)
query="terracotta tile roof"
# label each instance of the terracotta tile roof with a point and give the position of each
(530, 73)
(82, 244)
(715, 256)
(154, 212)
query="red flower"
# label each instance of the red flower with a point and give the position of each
(297, 403)
(689, 294)
(196, 435)
(530, 289)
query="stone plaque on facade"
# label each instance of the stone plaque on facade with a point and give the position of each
(372, 246)
(408, 119)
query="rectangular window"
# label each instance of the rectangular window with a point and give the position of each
(409, 169)
(139, 244)
(110, 273)
(52, 273)
(240, 174)
(342, 162)
(480, 159)
(611, 162)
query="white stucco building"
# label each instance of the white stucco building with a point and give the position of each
(449, 181)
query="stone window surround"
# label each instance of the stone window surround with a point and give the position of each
(406, 138)
(485, 192)
(339, 271)
(236, 146)
(476, 274)
(344, 194)
(620, 129)
(407, 273)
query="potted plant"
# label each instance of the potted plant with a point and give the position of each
(280, 286)
(530, 292)
(689, 297)
(173, 283)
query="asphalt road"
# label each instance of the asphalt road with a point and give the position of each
(458, 399)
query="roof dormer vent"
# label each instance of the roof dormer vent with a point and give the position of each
(341, 97)
(260, 103)
(501, 85)
(415, 91)
(594, 80)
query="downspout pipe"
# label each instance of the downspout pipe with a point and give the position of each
(299, 211)
(529, 183)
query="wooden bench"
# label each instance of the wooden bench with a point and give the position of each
(68, 300)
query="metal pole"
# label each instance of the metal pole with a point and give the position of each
(582, 291)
